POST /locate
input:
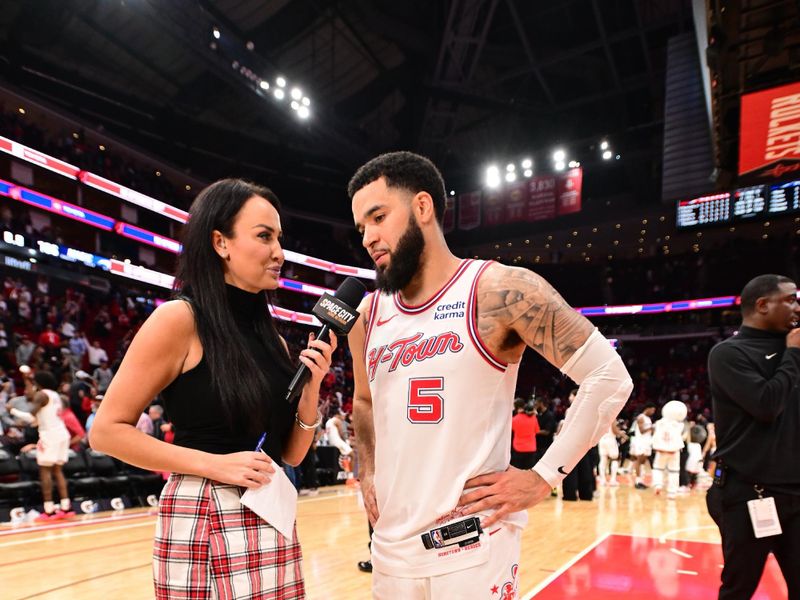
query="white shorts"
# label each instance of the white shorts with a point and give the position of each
(671, 461)
(607, 446)
(641, 446)
(496, 578)
(335, 440)
(52, 448)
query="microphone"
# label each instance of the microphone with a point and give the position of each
(336, 313)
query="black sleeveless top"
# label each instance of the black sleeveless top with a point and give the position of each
(196, 411)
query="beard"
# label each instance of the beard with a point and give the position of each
(404, 261)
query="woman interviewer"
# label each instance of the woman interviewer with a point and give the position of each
(216, 358)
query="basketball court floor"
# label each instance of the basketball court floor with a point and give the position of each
(627, 543)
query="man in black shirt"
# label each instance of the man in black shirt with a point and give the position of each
(755, 387)
(547, 426)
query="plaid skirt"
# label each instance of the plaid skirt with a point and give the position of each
(208, 545)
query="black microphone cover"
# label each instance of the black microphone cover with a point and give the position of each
(351, 291)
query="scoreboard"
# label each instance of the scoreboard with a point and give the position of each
(744, 204)
(784, 198)
(749, 202)
(706, 210)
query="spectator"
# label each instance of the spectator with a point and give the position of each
(523, 449)
(78, 392)
(547, 426)
(24, 350)
(78, 346)
(97, 354)
(49, 339)
(160, 425)
(102, 376)
(77, 434)
(95, 404)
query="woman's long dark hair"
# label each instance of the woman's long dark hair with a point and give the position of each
(235, 376)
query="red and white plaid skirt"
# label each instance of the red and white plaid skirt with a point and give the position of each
(208, 545)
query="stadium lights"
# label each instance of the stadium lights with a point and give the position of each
(263, 84)
(560, 165)
(559, 156)
(278, 93)
(303, 112)
(306, 101)
(527, 164)
(296, 94)
(607, 154)
(280, 81)
(511, 176)
(574, 164)
(510, 167)
(604, 145)
(492, 176)
(528, 173)
(215, 32)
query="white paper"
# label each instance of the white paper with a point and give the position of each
(764, 517)
(275, 502)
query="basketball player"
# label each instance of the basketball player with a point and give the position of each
(668, 443)
(435, 359)
(608, 447)
(52, 449)
(335, 429)
(642, 443)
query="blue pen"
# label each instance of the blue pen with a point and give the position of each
(261, 442)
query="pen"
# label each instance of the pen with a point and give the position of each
(261, 442)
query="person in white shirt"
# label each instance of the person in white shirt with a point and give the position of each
(96, 354)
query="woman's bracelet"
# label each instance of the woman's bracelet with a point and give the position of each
(305, 426)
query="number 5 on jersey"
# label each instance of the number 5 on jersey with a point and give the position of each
(424, 404)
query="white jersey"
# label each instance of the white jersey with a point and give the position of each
(648, 422)
(442, 414)
(668, 435)
(49, 421)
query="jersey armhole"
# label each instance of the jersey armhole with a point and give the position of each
(472, 323)
(372, 313)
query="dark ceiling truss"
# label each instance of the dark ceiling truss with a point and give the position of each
(192, 28)
(463, 40)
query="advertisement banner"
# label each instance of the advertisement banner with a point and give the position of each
(469, 211)
(769, 142)
(516, 202)
(541, 198)
(569, 192)
(449, 219)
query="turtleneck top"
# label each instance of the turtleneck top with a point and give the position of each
(196, 411)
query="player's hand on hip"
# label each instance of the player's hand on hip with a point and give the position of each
(504, 492)
(370, 503)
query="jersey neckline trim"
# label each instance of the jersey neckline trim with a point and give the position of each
(410, 309)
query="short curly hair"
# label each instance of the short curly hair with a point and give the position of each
(404, 170)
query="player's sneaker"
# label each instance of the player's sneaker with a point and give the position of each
(63, 514)
(44, 517)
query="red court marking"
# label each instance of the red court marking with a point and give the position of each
(641, 567)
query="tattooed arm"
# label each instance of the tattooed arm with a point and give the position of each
(518, 308)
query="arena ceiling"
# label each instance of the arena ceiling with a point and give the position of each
(463, 81)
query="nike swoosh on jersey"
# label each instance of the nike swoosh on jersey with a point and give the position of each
(771, 356)
(562, 471)
(379, 323)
